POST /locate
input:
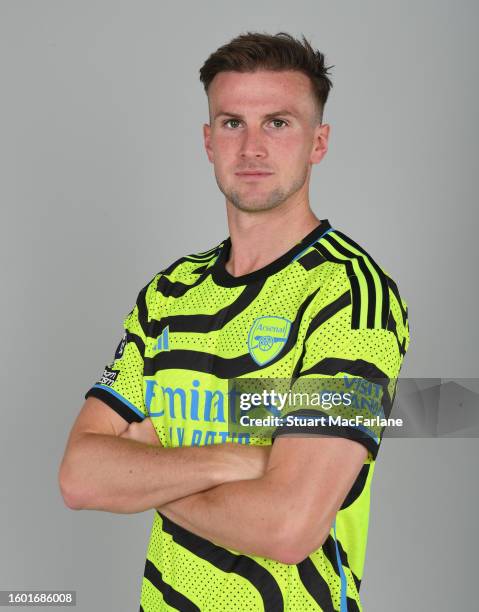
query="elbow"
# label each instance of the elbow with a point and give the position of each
(69, 489)
(294, 542)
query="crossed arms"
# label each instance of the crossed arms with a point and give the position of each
(277, 502)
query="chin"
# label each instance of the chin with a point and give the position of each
(248, 206)
(267, 202)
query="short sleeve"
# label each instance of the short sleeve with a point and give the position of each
(361, 361)
(121, 383)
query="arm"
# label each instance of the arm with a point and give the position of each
(285, 514)
(106, 468)
(288, 512)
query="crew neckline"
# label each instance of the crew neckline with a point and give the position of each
(222, 277)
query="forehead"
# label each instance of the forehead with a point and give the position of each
(261, 91)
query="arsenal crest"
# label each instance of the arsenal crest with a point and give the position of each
(267, 338)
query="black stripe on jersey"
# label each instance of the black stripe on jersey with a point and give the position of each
(140, 345)
(175, 288)
(199, 362)
(116, 404)
(381, 274)
(199, 270)
(172, 597)
(222, 367)
(173, 266)
(224, 560)
(361, 299)
(353, 279)
(358, 367)
(328, 311)
(329, 549)
(208, 322)
(323, 315)
(315, 584)
(142, 312)
(395, 290)
(345, 562)
(357, 487)
(371, 294)
(311, 260)
(337, 431)
(392, 328)
(200, 257)
(351, 605)
(141, 608)
(209, 252)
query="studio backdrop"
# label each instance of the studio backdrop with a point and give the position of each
(105, 182)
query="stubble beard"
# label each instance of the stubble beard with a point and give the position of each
(267, 202)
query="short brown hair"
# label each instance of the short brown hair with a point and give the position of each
(253, 51)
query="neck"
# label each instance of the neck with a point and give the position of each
(259, 238)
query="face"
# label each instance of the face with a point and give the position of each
(263, 137)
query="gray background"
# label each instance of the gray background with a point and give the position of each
(104, 181)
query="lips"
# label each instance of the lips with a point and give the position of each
(254, 173)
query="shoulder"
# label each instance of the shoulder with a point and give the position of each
(191, 264)
(182, 272)
(355, 283)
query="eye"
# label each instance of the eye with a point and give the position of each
(232, 121)
(281, 122)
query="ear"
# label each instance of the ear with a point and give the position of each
(320, 143)
(207, 141)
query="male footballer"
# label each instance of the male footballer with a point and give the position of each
(243, 522)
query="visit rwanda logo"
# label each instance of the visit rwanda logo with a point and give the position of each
(267, 337)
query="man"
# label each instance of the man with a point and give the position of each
(242, 523)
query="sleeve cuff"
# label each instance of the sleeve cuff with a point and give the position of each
(358, 434)
(119, 404)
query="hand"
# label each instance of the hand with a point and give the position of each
(142, 432)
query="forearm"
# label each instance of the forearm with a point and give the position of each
(103, 472)
(245, 515)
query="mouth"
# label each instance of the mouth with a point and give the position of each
(253, 174)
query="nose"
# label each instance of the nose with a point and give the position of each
(252, 144)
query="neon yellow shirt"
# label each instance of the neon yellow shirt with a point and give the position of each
(324, 308)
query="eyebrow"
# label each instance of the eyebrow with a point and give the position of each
(268, 116)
